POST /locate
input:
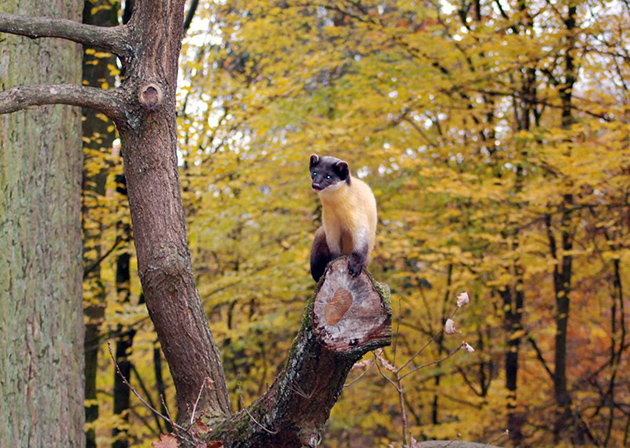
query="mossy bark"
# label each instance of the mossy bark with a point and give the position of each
(41, 319)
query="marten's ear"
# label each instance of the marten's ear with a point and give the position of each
(343, 170)
(314, 160)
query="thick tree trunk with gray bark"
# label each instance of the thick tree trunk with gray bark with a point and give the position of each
(41, 319)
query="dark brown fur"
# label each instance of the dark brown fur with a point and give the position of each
(320, 255)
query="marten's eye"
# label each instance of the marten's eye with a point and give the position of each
(328, 177)
(314, 174)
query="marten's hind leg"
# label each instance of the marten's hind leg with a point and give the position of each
(320, 254)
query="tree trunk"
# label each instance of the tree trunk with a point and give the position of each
(562, 289)
(99, 137)
(513, 305)
(123, 349)
(149, 151)
(41, 361)
(563, 270)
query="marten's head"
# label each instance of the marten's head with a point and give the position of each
(328, 173)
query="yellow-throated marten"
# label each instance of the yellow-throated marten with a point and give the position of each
(348, 215)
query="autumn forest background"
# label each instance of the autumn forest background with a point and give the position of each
(494, 134)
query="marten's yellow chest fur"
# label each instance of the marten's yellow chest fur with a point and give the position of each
(348, 215)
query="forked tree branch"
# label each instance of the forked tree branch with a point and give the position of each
(108, 102)
(114, 39)
(346, 318)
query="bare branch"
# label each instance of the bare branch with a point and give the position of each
(503, 434)
(135, 392)
(148, 395)
(540, 357)
(451, 354)
(424, 347)
(95, 264)
(192, 417)
(108, 102)
(190, 14)
(114, 39)
(360, 376)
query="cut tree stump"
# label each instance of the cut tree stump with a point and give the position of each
(350, 312)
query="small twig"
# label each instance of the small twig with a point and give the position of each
(298, 390)
(97, 341)
(94, 265)
(432, 362)
(397, 329)
(190, 14)
(503, 434)
(399, 388)
(146, 392)
(403, 412)
(255, 421)
(240, 393)
(452, 441)
(383, 375)
(192, 417)
(146, 422)
(167, 411)
(135, 392)
(539, 355)
(360, 376)
(181, 431)
(424, 347)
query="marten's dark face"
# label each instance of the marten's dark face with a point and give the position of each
(328, 173)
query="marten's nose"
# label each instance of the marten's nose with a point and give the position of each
(316, 186)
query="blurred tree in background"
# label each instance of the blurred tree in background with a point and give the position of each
(495, 137)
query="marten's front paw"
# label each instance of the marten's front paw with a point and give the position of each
(354, 266)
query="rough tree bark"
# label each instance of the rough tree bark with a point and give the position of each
(149, 151)
(346, 318)
(41, 319)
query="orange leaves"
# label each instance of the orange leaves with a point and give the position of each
(166, 441)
